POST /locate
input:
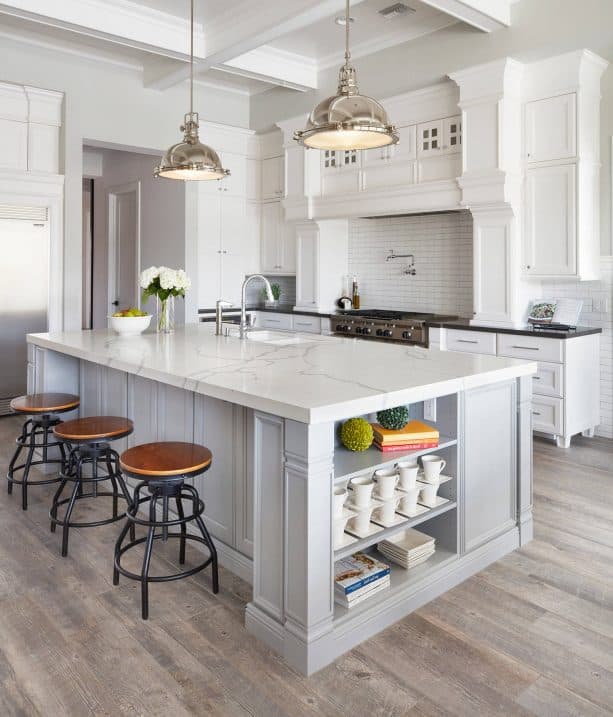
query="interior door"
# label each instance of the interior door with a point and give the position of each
(24, 293)
(124, 246)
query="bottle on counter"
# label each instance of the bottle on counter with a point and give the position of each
(356, 295)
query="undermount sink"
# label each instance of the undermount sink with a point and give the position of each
(276, 338)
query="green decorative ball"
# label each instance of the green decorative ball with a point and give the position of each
(356, 434)
(394, 418)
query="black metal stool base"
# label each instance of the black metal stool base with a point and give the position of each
(162, 491)
(88, 454)
(41, 426)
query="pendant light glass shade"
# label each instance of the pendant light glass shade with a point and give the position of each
(348, 120)
(190, 159)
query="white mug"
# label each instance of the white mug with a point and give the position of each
(408, 502)
(362, 490)
(340, 496)
(339, 530)
(387, 511)
(387, 480)
(428, 494)
(407, 471)
(361, 521)
(433, 467)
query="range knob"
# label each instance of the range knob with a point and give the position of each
(379, 332)
(366, 330)
(387, 333)
(406, 334)
(358, 330)
(342, 327)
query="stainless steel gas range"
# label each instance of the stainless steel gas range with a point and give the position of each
(405, 327)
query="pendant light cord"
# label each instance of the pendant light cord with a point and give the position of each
(191, 60)
(347, 23)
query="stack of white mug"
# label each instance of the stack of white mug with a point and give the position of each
(398, 488)
(423, 490)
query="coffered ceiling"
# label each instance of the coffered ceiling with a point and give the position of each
(241, 45)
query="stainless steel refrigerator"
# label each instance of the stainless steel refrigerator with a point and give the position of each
(24, 293)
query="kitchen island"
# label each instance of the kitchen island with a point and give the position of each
(269, 408)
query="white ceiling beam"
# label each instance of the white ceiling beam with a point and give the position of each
(277, 67)
(485, 15)
(249, 27)
(141, 28)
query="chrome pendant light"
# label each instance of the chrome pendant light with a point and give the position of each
(190, 159)
(348, 120)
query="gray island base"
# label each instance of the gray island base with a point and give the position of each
(269, 408)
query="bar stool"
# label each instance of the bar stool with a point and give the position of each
(162, 469)
(92, 436)
(43, 409)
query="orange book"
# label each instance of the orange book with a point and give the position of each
(414, 431)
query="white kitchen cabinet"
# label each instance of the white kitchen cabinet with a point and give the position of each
(340, 171)
(272, 178)
(321, 261)
(551, 128)
(429, 138)
(550, 231)
(566, 386)
(277, 241)
(224, 247)
(392, 165)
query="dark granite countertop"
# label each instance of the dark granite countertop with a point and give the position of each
(465, 325)
(280, 309)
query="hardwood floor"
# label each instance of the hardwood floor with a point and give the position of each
(531, 635)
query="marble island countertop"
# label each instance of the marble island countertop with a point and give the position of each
(306, 377)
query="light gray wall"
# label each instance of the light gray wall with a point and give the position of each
(106, 103)
(162, 223)
(540, 28)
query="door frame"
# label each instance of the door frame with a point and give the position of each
(112, 194)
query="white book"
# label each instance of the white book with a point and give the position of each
(378, 587)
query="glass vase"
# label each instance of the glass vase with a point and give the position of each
(166, 315)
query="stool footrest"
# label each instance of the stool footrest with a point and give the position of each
(162, 578)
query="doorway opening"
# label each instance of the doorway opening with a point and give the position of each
(130, 221)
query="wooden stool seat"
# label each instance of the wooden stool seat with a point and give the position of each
(154, 461)
(94, 428)
(35, 403)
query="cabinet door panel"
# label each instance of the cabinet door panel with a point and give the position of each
(551, 128)
(306, 276)
(142, 409)
(490, 498)
(272, 178)
(269, 239)
(550, 232)
(214, 428)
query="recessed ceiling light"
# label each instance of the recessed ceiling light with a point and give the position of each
(395, 10)
(341, 20)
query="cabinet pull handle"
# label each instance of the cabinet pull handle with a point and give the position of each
(526, 348)
(466, 341)
(535, 413)
(274, 321)
(536, 378)
(302, 323)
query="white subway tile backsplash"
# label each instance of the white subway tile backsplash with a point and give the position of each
(442, 245)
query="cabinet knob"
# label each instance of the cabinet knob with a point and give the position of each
(528, 266)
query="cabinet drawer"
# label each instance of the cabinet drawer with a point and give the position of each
(548, 380)
(311, 324)
(275, 321)
(547, 414)
(476, 342)
(533, 348)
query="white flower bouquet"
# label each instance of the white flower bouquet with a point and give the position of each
(164, 284)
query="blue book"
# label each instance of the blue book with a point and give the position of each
(356, 571)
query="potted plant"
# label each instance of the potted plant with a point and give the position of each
(164, 284)
(276, 292)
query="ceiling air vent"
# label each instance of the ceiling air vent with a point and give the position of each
(393, 11)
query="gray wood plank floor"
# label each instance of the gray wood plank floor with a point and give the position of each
(531, 635)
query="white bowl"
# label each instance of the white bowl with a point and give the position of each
(129, 325)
